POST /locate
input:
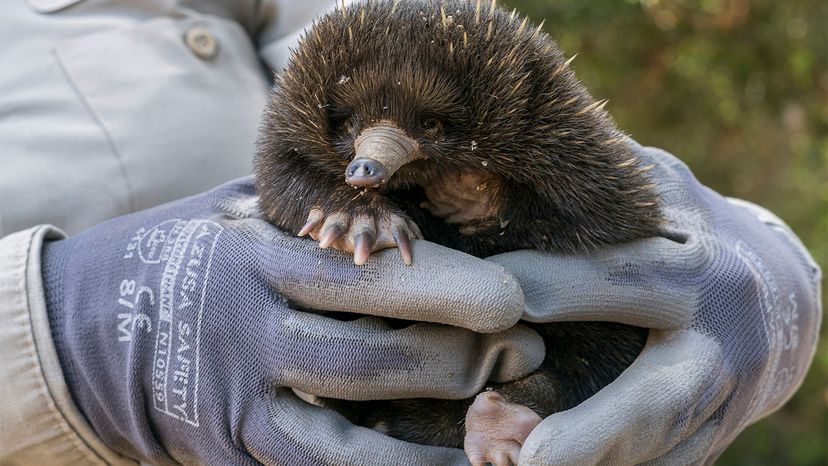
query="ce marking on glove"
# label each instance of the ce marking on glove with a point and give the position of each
(130, 299)
(169, 307)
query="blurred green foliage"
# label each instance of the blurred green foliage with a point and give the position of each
(738, 89)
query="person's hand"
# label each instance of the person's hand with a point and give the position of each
(178, 330)
(733, 301)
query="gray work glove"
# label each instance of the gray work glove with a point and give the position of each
(178, 329)
(733, 298)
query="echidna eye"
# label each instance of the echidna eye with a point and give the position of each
(430, 124)
(347, 126)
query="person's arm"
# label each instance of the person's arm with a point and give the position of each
(277, 34)
(39, 424)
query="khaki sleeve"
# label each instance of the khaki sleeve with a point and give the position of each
(282, 23)
(39, 423)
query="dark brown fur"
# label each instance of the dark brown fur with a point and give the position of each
(566, 180)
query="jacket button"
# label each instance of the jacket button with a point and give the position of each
(201, 42)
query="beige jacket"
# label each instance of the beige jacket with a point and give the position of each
(108, 107)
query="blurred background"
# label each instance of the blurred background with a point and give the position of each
(738, 89)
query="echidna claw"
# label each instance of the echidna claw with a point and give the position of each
(363, 245)
(314, 219)
(329, 234)
(362, 234)
(404, 244)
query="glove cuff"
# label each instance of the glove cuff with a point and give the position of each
(33, 390)
(53, 260)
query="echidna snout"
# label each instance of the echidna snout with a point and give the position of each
(366, 173)
(380, 151)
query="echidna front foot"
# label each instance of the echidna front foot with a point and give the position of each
(362, 233)
(496, 430)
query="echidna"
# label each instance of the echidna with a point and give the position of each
(463, 124)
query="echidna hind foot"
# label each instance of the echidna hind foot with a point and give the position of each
(496, 430)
